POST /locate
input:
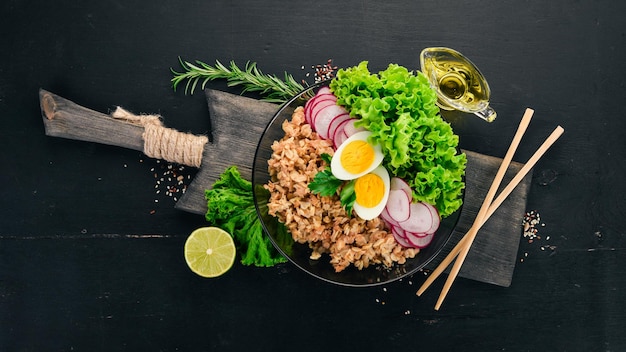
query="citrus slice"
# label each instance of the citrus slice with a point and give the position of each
(210, 251)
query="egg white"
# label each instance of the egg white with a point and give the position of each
(366, 213)
(340, 172)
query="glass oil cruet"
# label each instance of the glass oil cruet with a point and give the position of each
(458, 82)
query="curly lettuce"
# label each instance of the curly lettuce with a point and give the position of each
(230, 204)
(399, 108)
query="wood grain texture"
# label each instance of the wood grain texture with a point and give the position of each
(66, 119)
(492, 256)
(237, 124)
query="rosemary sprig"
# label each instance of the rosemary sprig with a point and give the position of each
(273, 89)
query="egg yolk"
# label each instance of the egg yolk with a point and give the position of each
(369, 190)
(357, 156)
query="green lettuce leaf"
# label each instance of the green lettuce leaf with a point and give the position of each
(399, 108)
(231, 207)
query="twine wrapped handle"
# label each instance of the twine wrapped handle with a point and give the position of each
(165, 143)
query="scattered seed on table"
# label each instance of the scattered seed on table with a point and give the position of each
(531, 219)
(171, 179)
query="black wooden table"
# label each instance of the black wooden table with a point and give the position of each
(91, 244)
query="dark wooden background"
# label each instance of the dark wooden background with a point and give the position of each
(89, 261)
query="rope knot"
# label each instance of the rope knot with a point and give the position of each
(165, 143)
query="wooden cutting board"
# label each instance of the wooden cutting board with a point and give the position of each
(493, 254)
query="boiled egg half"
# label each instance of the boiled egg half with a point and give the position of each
(372, 193)
(359, 160)
(355, 157)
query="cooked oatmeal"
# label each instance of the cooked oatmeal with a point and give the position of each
(321, 222)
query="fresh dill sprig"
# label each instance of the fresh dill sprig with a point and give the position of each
(271, 87)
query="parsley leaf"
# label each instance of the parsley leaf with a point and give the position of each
(325, 183)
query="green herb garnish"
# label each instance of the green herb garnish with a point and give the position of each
(398, 107)
(326, 184)
(347, 196)
(231, 207)
(273, 88)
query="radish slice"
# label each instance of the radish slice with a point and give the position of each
(339, 136)
(315, 110)
(351, 129)
(420, 218)
(388, 219)
(340, 139)
(398, 183)
(321, 97)
(320, 104)
(324, 117)
(398, 235)
(316, 99)
(324, 90)
(335, 123)
(418, 240)
(398, 206)
(435, 216)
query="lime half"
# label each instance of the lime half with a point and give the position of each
(210, 251)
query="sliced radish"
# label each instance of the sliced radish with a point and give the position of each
(434, 213)
(307, 108)
(336, 123)
(398, 206)
(316, 99)
(420, 218)
(398, 235)
(319, 106)
(324, 90)
(351, 129)
(340, 139)
(339, 136)
(388, 219)
(321, 97)
(398, 183)
(324, 117)
(316, 107)
(418, 240)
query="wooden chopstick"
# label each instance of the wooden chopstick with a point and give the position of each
(493, 207)
(521, 129)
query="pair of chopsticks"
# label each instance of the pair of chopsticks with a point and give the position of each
(489, 205)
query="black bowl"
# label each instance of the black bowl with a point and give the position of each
(299, 254)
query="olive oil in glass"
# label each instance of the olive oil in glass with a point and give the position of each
(457, 81)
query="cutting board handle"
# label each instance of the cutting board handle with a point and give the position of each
(66, 119)
(63, 118)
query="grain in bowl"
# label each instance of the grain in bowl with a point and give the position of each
(321, 222)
